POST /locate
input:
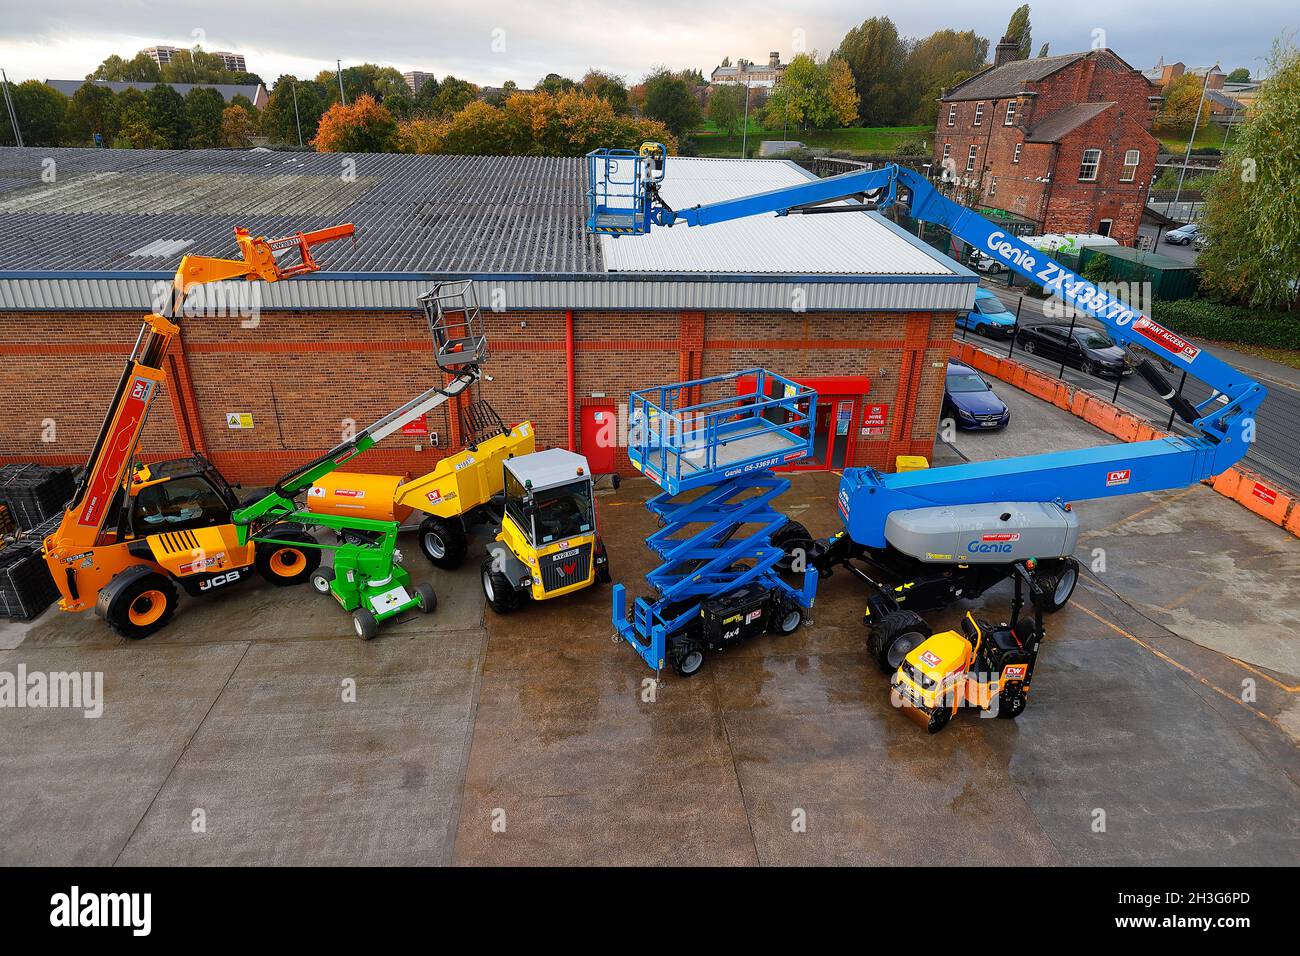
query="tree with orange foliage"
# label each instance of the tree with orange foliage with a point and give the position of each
(363, 126)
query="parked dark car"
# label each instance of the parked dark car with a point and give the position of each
(970, 402)
(1091, 351)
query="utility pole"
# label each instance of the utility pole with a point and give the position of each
(1188, 155)
(297, 121)
(339, 73)
(9, 106)
(744, 135)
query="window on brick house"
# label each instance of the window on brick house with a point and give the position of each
(993, 186)
(970, 158)
(947, 148)
(1010, 119)
(979, 114)
(952, 115)
(1131, 159)
(1088, 168)
(1015, 157)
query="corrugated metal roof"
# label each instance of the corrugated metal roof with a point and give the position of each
(108, 223)
(839, 244)
(468, 214)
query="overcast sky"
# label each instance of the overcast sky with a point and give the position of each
(490, 41)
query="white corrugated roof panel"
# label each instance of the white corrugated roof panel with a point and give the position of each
(837, 244)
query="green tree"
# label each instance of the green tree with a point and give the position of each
(204, 107)
(801, 98)
(1182, 99)
(671, 100)
(453, 96)
(165, 114)
(941, 60)
(278, 121)
(1018, 29)
(424, 99)
(1252, 206)
(139, 69)
(608, 87)
(245, 104)
(876, 54)
(554, 83)
(477, 130)
(42, 115)
(727, 107)
(1239, 75)
(93, 110)
(237, 129)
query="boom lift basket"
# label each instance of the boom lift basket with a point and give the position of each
(621, 185)
(456, 324)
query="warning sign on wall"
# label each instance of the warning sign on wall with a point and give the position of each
(417, 426)
(239, 419)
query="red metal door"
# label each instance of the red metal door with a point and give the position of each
(599, 425)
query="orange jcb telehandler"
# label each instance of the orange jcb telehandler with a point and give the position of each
(130, 531)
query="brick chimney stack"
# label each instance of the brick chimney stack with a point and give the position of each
(1006, 51)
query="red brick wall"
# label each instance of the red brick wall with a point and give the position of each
(302, 375)
(1064, 204)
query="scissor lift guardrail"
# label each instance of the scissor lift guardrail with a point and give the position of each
(725, 448)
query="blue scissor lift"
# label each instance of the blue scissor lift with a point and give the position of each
(713, 458)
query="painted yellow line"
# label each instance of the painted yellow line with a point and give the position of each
(1289, 688)
(1182, 667)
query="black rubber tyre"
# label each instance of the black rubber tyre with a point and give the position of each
(424, 593)
(789, 536)
(499, 593)
(786, 618)
(364, 623)
(1029, 346)
(939, 720)
(1058, 582)
(1088, 367)
(981, 329)
(894, 635)
(1012, 702)
(143, 607)
(685, 655)
(283, 565)
(320, 580)
(444, 543)
(602, 570)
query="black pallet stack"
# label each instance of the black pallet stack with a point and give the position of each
(35, 493)
(26, 588)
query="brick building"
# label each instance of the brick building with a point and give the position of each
(850, 305)
(1058, 144)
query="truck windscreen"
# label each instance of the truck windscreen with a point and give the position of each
(563, 512)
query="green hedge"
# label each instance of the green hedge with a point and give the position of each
(1205, 319)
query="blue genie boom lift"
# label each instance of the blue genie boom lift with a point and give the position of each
(923, 539)
(714, 457)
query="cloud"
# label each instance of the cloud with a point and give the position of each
(70, 38)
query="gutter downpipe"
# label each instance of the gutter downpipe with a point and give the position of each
(569, 357)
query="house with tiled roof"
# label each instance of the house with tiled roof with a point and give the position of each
(1052, 144)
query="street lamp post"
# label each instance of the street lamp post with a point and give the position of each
(1187, 156)
(296, 119)
(339, 73)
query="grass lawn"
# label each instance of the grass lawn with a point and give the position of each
(863, 140)
(1208, 135)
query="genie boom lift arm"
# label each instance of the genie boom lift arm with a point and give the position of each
(624, 200)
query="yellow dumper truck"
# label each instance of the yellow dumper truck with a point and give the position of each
(457, 495)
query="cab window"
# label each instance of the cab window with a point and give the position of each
(515, 505)
(178, 504)
(563, 512)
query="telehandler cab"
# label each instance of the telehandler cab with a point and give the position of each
(131, 532)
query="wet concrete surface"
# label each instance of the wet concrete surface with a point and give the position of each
(1163, 725)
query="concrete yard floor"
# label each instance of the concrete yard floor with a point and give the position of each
(1163, 727)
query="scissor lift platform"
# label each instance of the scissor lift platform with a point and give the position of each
(713, 456)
